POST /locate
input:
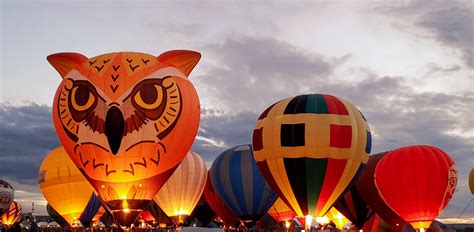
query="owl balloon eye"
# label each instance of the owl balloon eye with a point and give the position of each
(149, 96)
(82, 98)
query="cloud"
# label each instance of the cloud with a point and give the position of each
(27, 135)
(453, 27)
(252, 67)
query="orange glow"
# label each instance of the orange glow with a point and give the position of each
(126, 119)
(12, 215)
(335, 216)
(63, 185)
(180, 194)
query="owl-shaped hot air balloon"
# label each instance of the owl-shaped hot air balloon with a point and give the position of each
(309, 148)
(126, 119)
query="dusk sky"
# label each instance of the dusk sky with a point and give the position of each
(407, 65)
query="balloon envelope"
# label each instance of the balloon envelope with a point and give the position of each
(471, 181)
(66, 189)
(180, 194)
(370, 194)
(238, 182)
(12, 215)
(417, 182)
(309, 148)
(126, 119)
(7, 194)
(353, 206)
(56, 216)
(218, 206)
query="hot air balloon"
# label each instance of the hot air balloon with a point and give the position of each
(126, 119)
(218, 206)
(417, 182)
(180, 194)
(281, 212)
(471, 181)
(238, 182)
(309, 148)
(353, 206)
(337, 218)
(66, 189)
(12, 215)
(371, 196)
(6, 195)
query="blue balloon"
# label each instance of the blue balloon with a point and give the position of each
(91, 209)
(237, 180)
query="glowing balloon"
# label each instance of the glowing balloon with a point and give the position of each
(12, 215)
(280, 211)
(6, 195)
(309, 148)
(471, 181)
(337, 218)
(238, 182)
(417, 182)
(218, 206)
(66, 189)
(180, 194)
(370, 194)
(127, 120)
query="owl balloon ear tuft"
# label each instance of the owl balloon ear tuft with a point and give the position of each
(184, 60)
(66, 61)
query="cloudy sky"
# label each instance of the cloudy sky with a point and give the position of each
(407, 65)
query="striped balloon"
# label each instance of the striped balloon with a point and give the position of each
(238, 182)
(310, 148)
(180, 194)
(12, 215)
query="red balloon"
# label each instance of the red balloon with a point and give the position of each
(417, 182)
(218, 206)
(372, 197)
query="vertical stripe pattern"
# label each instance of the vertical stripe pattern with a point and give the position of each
(180, 194)
(238, 182)
(310, 148)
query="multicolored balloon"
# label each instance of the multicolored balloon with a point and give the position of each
(218, 206)
(7, 194)
(309, 148)
(126, 119)
(12, 215)
(66, 189)
(238, 182)
(180, 194)
(417, 182)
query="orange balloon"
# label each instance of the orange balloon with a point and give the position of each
(127, 120)
(280, 211)
(12, 215)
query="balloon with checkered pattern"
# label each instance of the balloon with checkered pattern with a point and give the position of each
(310, 148)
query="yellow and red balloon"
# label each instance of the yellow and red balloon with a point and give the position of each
(309, 148)
(12, 215)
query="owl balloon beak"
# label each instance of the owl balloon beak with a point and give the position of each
(114, 128)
